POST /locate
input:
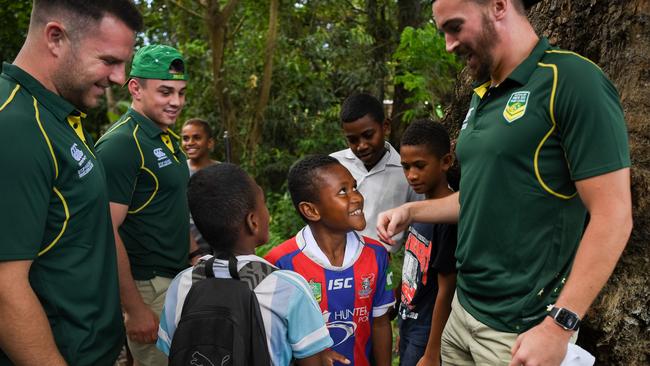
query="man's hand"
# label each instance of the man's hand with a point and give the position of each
(544, 345)
(141, 324)
(329, 357)
(392, 222)
(428, 361)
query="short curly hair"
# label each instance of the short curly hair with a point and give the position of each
(220, 196)
(358, 105)
(303, 179)
(430, 134)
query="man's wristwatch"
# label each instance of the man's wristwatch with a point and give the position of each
(565, 318)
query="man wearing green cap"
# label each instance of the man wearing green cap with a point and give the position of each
(147, 178)
(59, 296)
(543, 144)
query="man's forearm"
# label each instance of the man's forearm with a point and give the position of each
(129, 294)
(26, 336)
(600, 248)
(442, 210)
(609, 202)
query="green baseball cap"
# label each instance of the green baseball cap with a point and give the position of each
(153, 62)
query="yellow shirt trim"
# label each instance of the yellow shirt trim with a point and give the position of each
(47, 139)
(142, 167)
(11, 97)
(548, 134)
(563, 52)
(482, 89)
(75, 123)
(65, 223)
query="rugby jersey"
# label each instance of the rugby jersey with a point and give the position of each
(349, 296)
(292, 320)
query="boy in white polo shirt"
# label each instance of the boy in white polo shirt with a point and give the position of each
(373, 162)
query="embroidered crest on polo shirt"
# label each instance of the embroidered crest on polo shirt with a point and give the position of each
(516, 106)
(163, 160)
(81, 159)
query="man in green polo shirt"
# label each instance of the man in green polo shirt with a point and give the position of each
(59, 295)
(147, 178)
(544, 143)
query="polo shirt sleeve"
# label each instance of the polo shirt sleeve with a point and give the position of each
(306, 330)
(444, 260)
(26, 187)
(122, 160)
(384, 297)
(590, 120)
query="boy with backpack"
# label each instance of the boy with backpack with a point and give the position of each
(267, 317)
(429, 272)
(348, 274)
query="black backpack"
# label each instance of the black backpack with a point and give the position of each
(221, 324)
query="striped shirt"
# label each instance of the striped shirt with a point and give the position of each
(349, 296)
(293, 322)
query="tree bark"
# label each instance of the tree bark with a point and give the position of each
(217, 23)
(616, 36)
(380, 30)
(265, 89)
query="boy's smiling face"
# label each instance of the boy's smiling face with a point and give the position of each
(422, 168)
(340, 205)
(365, 137)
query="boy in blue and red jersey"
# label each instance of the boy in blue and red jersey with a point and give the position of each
(348, 274)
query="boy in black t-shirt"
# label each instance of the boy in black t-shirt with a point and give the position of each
(428, 275)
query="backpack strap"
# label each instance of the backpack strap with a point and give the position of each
(252, 272)
(255, 272)
(203, 269)
(232, 267)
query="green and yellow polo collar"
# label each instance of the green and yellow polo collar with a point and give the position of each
(58, 106)
(521, 74)
(148, 126)
(152, 130)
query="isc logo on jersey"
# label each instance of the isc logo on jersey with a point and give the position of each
(339, 283)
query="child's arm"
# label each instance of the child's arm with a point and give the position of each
(441, 310)
(382, 338)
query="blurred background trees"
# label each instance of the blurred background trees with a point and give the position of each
(273, 73)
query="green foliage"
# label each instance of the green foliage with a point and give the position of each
(425, 69)
(15, 21)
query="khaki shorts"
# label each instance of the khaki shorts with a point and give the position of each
(153, 293)
(467, 341)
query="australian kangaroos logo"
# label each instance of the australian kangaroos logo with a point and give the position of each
(516, 107)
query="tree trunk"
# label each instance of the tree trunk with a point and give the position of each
(265, 90)
(380, 31)
(616, 35)
(217, 23)
(409, 14)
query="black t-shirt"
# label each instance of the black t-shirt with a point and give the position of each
(429, 250)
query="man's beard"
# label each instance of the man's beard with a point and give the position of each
(481, 51)
(68, 81)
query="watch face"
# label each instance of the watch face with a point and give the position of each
(566, 318)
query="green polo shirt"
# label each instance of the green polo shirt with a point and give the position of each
(555, 120)
(145, 174)
(54, 211)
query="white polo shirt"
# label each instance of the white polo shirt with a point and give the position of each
(383, 187)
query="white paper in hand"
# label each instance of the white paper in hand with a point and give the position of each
(576, 356)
